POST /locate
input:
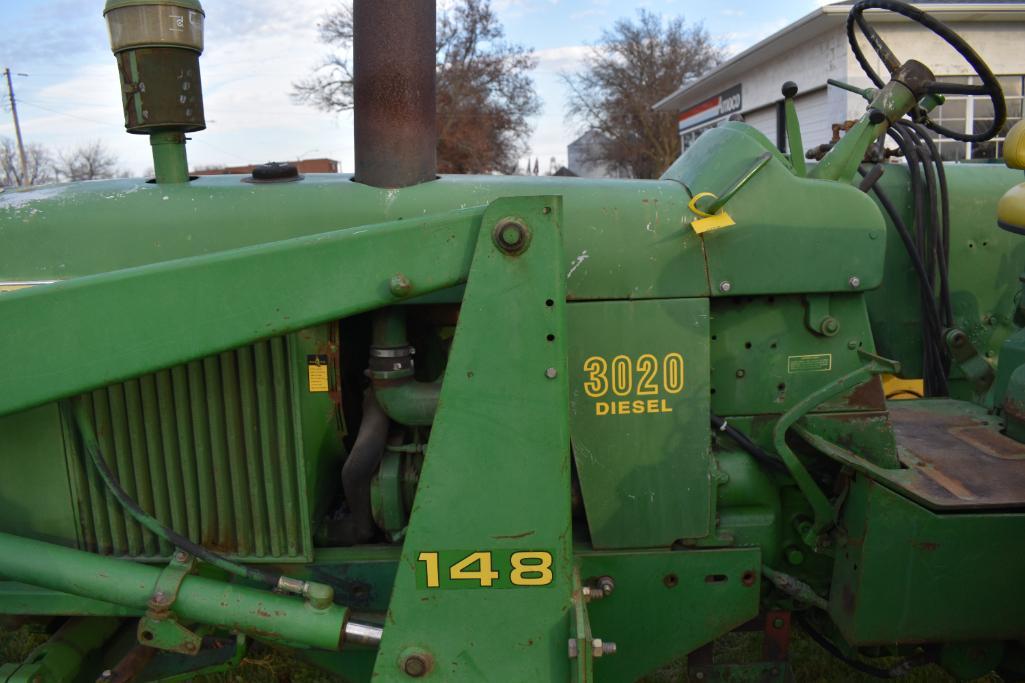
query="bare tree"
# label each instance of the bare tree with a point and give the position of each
(634, 65)
(38, 164)
(91, 161)
(484, 91)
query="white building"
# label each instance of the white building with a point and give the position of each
(814, 49)
(582, 155)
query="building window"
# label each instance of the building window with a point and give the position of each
(688, 136)
(975, 115)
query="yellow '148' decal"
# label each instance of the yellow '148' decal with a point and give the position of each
(484, 569)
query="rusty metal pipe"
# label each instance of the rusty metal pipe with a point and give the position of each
(394, 57)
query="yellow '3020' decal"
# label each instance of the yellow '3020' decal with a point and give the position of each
(642, 378)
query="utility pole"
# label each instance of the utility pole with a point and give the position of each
(17, 129)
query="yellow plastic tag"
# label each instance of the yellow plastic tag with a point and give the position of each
(708, 221)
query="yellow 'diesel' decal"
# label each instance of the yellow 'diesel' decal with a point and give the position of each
(708, 221)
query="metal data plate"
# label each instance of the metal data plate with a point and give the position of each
(639, 402)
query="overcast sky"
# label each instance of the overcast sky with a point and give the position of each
(255, 49)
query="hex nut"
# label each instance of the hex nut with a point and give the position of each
(511, 236)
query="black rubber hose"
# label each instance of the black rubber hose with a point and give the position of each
(931, 355)
(80, 418)
(363, 461)
(941, 178)
(935, 363)
(754, 450)
(898, 671)
(931, 322)
(937, 235)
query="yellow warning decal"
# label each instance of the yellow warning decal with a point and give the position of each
(316, 370)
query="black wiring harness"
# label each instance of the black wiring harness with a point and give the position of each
(927, 243)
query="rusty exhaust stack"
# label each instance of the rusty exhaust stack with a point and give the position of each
(394, 45)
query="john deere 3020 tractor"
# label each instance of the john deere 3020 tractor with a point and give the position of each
(469, 428)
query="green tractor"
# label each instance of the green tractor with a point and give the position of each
(470, 428)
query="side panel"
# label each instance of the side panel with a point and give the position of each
(909, 575)
(35, 498)
(639, 419)
(667, 604)
(985, 262)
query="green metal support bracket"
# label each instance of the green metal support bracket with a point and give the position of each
(823, 511)
(580, 648)
(818, 318)
(159, 628)
(172, 312)
(976, 369)
(467, 593)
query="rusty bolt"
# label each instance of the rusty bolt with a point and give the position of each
(400, 285)
(415, 665)
(181, 556)
(607, 585)
(511, 236)
(160, 598)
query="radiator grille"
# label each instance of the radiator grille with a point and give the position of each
(210, 449)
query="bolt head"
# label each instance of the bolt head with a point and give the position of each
(551, 373)
(511, 236)
(181, 556)
(854, 281)
(778, 623)
(400, 285)
(741, 373)
(415, 666)
(725, 286)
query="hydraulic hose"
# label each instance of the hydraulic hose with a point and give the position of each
(271, 579)
(359, 468)
(754, 450)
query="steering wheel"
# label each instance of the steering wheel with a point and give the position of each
(989, 86)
